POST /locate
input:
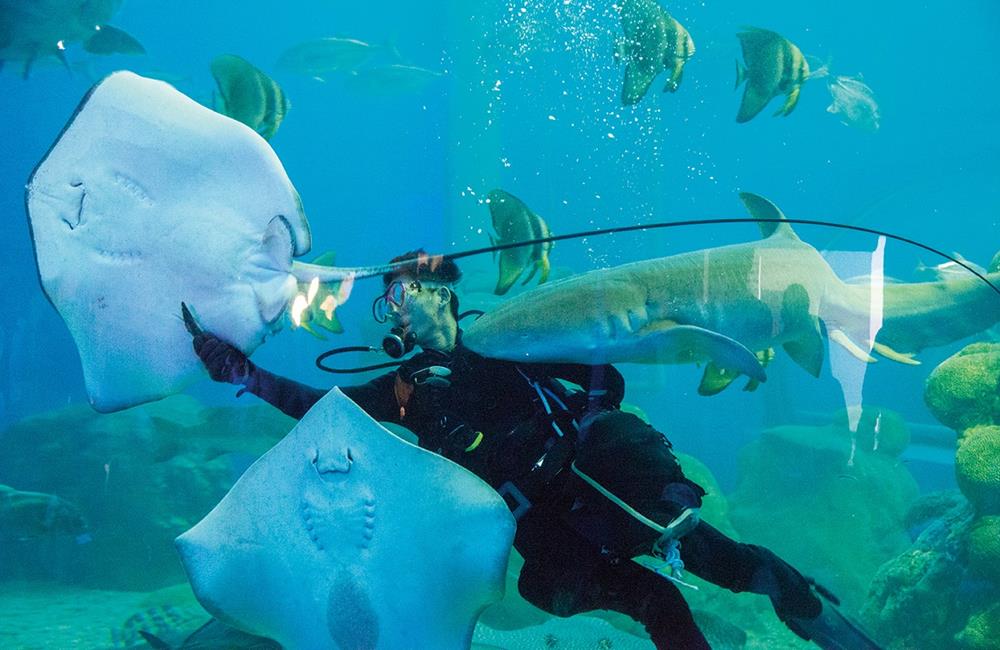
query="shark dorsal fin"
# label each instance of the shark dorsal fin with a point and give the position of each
(761, 208)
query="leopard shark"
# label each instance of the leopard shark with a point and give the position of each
(730, 307)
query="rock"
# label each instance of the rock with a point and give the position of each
(984, 548)
(800, 495)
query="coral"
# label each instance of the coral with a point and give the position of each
(977, 465)
(982, 630)
(965, 389)
(984, 548)
(141, 477)
(921, 584)
(879, 429)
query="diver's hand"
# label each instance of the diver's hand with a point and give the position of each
(224, 362)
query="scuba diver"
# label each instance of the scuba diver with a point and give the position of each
(591, 486)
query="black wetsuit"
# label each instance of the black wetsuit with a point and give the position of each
(576, 544)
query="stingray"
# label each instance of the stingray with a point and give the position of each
(148, 199)
(345, 536)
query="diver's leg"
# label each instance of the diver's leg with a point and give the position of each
(653, 601)
(739, 567)
(565, 574)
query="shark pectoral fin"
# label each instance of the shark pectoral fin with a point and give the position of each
(715, 380)
(790, 102)
(688, 343)
(638, 79)
(899, 357)
(111, 40)
(841, 338)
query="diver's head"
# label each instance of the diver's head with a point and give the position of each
(419, 300)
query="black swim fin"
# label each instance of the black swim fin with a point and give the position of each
(831, 630)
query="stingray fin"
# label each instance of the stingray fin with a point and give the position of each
(899, 357)
(638, 79)
(841, 338)
(154, 641)
(111, 40)
(761, 208)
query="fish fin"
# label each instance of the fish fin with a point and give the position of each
(790, 102)
(899, 357)
(754, 100)
(638, 79)
(531, 273)
(751, 386)
(546, 267)
(674, 81)
(326, 259)
(715, 380)
(841, 338)
(761, 208)
(493, 242)
(332, 324)
(28, 62)
(741, 74)
(111, 40)
(307, 327)
(509, 271)
(669, 342)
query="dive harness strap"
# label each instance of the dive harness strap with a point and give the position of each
(665, 554)
(558, 450)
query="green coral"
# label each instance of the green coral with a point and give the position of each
(879, 429)
(977, 465)
(965, 389)
(984, 547)
(982, 630)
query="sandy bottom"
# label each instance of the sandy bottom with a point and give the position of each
(44, 616)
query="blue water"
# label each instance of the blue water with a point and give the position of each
(530, 103)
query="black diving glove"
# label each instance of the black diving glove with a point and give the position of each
(224, 362)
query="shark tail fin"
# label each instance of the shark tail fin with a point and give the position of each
(768, 214)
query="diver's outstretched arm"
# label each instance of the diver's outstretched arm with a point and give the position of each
(226, 363)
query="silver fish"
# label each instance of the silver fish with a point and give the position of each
(854, 102)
